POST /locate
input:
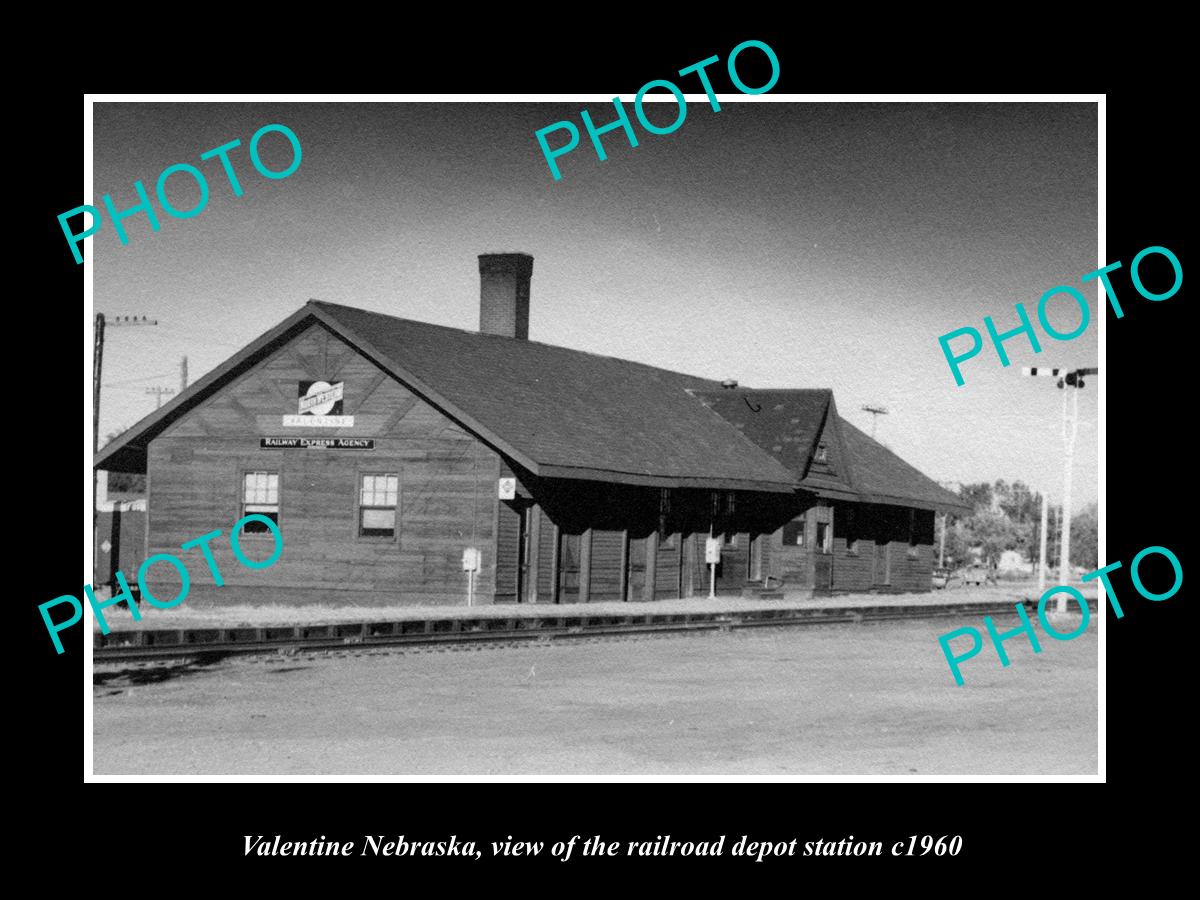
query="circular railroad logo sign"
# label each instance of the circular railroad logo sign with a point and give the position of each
(319, 387)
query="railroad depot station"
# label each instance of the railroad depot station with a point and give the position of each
(392, 452)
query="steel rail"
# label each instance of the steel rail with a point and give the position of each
(137, 646)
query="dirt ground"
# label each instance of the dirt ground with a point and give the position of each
(849, 700)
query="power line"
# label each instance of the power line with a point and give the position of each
(130, 381)
(159, 393)
(876, 412)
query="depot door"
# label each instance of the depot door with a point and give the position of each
(569, 547)
(883, 564)
(513, 551)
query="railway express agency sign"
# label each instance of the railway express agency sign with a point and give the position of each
(310, 443)
(319, 405)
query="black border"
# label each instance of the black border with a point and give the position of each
(177, 826)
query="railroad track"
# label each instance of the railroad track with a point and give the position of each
(135, 646)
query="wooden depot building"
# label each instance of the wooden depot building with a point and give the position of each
(385, 448)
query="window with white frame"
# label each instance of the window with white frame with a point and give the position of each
(260, 496)
(824, 540)
(378, 498)
(793, 532)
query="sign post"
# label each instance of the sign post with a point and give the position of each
(712, 556)
(470, 563)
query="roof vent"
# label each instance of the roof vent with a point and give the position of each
(729, 384)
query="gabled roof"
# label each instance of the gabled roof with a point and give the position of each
(564, 413)
(789, 423)
(785, 423)
(557, 412)
(881, 476)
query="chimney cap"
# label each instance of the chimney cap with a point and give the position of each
(729, 384)
(512, 257)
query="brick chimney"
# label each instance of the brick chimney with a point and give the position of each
(504, 294)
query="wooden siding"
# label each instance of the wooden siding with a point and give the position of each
(881, 530)
(125, 531)
(446, 503)
(608, 555)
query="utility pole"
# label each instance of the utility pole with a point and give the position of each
(158, 394)
(1070, 429)
(945, 521)
(101, 323)
(942, 547)
(98, 363)
(97, 370)
(183, 375)
(1042, 547)
(876, 412)
(1056, 517)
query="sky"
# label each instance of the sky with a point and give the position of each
(781, 244)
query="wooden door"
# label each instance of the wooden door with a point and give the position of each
(508, 552)
(689, 559)
(731, 570)
(754, 566)
(883, 564)
(569, 558)
(636, 553)
(514, 582)
(525, 582)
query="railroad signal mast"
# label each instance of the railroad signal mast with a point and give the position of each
(1072, 378)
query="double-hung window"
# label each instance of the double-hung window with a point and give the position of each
(379, 496)
(260, 496)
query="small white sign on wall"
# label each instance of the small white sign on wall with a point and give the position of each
(712, 550)
(470, 560)
(508, 488)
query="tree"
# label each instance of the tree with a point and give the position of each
(1085, 531)
(1019, 502)
(1005, 517)
(958, 543)
(978, 496)
(993, 533)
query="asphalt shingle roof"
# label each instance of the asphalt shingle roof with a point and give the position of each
(568, 409)
(788, 423)
(882, 476)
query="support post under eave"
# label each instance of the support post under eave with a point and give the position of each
(648, 591)
(585, 566)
